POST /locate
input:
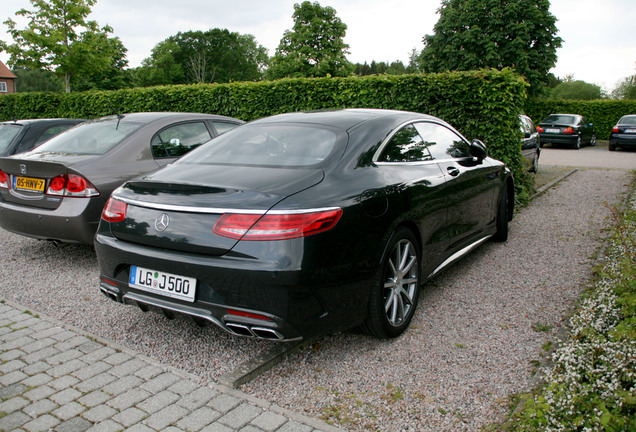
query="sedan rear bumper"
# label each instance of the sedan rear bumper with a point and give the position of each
(623, 140)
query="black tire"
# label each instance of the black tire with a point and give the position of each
(612, 147)
(577, 145)
(502, 217)
(396, 289)
(593, 140)
(535, 163)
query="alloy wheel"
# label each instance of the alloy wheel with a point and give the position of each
(401, 283)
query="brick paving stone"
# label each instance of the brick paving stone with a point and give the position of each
(160, 382)
(269, 421)
(130, 416)
(149, 372)
(293, 426)
(158, 402)
(140, 428)
(122, 385)
(63, 382)
(96, 382)
(129, 399)
(250, 428)
(198, 419)
(42, 423)
(183, 387)
(94, 398)
(70, 367)
(99, 413)
(98, 354)
(65, 396)
(11, 366)
(165, 417)
(241, 415)
(173, 429)
(117, 358)
(37, 380)
(198, 398)
(40, 392)
(68, 411)
(40, 355)
(89, 347)
(217, 427)
(76, 424)
(36, 368)
(13, 404)
(37, 345)
(224, 403)
(128, 368)
(40, 407)
(46, 331)
(17, 343)
(93, 368)
(65, 335)
(13, 377)
(65, 356)
(11, 391)
(72, 342)
(18, 334)
(106, 426)
(10, 355)
(13, 421)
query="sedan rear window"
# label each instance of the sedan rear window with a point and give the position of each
(628, 120)
(90, 138)
(7, 133)
(267, 145)
(565, 119)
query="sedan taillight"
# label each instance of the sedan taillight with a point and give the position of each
(114, 211)
(275, 226)
(615, 129)
(71, 185)
(4, 180)
(568, 130)
(540, 129)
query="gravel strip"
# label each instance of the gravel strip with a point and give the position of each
(471, 344)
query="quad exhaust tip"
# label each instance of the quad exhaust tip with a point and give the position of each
(258, 332)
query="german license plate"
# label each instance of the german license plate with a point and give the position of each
(630, 130)
(553, 130)
(166, 284)
(28, 184)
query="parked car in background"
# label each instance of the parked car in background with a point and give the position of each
(624, 133)
(20, 136)
(530, 143)
(58, 190)
(568, 129)
(303, 224)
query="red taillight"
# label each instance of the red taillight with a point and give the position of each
(568, 130)
(540, 129)
(247, 314)
(71, 185)
(114, 211)
(615, 129)
(275, 226)
(4, 180)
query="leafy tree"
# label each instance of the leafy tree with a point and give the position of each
(216, 55)
(314, 47)
(393, 68)
(59, 38)
(473, 34)
(579, 90)
(626, 88)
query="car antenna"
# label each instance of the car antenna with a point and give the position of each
(119, 116)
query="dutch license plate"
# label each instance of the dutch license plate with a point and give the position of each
(630, 130)
(166, 284)
(553, 130)
(28, 184)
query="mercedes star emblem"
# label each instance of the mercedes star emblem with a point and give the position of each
(161, 223)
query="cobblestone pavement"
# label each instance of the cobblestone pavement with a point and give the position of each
(56, 378)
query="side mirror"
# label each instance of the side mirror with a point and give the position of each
(478, 149)
(527, 134)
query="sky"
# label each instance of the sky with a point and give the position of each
(599, 36)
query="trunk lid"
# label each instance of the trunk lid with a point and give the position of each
(176, 208)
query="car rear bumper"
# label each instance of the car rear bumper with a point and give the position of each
(623, 140)
(243, 296)
(74, 221)
(559, 139)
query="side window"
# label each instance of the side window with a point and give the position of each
(177, 140)
(51, 132)
(442, 142)
(406, 146)
(222, 127)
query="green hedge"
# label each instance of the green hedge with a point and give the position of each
(603, 113)
(481, 104)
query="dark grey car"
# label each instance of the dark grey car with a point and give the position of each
(57, 191)
(530, 143)
(20, 136)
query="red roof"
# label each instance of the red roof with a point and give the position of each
(5, 72)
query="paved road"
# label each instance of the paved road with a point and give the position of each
(589, 157)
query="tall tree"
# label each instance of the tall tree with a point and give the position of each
(473, 34)
(59, 38)
(315, 46)
(216, 55)
(626, 88)
(576, 89)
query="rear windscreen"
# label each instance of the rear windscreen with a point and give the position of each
(267, 145)
(94, 138)
(563, 119)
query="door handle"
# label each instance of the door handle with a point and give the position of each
(453, 171)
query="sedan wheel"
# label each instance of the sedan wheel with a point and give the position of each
(593, 140)
(578, 143)
(395, 294)
(535, 163)
(502, 216)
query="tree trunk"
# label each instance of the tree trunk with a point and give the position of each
(67, 81)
